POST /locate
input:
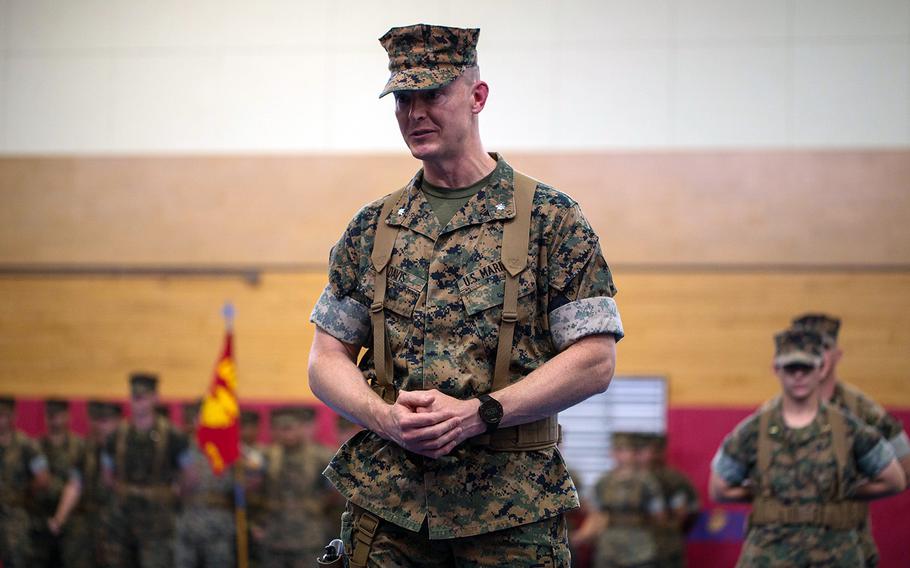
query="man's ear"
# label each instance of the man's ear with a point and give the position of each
(479, 93)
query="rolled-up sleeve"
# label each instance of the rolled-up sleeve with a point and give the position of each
(343, 318)
(901, 445)
(589, 316)
(731, 470)
(581, 284)
(875, 460)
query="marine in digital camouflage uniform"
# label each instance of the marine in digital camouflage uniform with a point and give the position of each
(680, 501)
(96, 500)
(205, 536)
(143, 461)
(630, 500)
(59, 537)
(850, 399)
(424, 466)
(297, 497)
(803, 495)
(22, 469)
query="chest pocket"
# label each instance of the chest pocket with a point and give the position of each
(403, 290)
(483, 297)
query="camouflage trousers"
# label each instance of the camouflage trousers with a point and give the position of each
(626, 547)
(541, 544)
(801, 546)
(15, 548)
(141, 535)
(205, 538)
(72, 548)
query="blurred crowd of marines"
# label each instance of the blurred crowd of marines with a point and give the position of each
(641, 509)
(138, 492)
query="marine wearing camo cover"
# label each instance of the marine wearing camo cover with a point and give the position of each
(96, 500)
(205, 525)
(802, 471)
(297, 497)
(631, 499)
(850, 399)
(681, 503)
(443, 336)
(21, 462)
(145, 464)
(443, 308)
(63, 451)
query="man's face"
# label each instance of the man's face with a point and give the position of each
(249, 433)
(143, 404)
(58, 422)
(646, 456)
(436, 123)
(288, 434)
(6, 420)
(106, 426)
(624, 456)
(799, 381)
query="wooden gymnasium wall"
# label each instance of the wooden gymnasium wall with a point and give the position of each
(109, 264)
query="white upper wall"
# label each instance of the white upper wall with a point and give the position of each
(139, 76)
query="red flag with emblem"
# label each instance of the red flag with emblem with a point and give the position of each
(218, 432)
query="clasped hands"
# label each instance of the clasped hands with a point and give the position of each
(430, 423)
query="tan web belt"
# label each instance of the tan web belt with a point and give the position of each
(148, 492)
(626, 519)
(844, 515)
(528, 437)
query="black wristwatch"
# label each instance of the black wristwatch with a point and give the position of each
(490, 412)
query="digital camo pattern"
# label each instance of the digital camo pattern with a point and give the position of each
(850, 399)
(446, 339)
(566, 321)
(797, 346)
(629, 498)
(542, 544)
(62, 460)
(427, 57)
(826, 326)
(680, 500)
(205, 526)
(16, 464)
(297, 502)
(803, 471)
(145, 524)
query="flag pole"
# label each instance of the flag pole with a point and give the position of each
(240, 519)
(240, 514)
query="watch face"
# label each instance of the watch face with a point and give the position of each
(491, 412)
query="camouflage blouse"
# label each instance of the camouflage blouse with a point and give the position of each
(802, 471)
(443, 306)
(870, 412)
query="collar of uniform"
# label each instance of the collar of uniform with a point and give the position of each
(495, 201)
(778, 429)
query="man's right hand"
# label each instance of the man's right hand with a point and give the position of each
(413, 425)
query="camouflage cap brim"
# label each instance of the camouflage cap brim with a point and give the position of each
(421, 79)
(797, 357)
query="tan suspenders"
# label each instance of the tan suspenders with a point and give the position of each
(839, 514)
(514, 255)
